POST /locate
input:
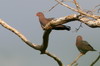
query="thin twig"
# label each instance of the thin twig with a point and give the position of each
(79, 11)
(77, 5)
(95, 60)
(79, 27)
(76, 59)
(53, 6)
(96, 6)
(94, 9)
(66, 5)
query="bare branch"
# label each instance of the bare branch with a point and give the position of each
(60, 20)
(77, 5)
(90, 22)
(66, 5)
(95, 9)
(5, 25)
(79, 11)
(75, 59)
(99, 10)
(53, 7)
(96, 6)
(78, 27)
(24, 39)
(55, 58)
(95, 60)
(45, 40)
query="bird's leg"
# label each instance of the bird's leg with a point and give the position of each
(75, 59)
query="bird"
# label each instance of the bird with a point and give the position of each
(83, 46)
(43, 21)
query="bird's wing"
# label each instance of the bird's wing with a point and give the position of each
(86, 46)
(49, 19)
(85, 42)
(44, 21)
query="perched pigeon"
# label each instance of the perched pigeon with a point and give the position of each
(44, 21)
(83, 46)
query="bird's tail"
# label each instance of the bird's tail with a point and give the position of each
(68, 28)
(62, 27)
(94, 50)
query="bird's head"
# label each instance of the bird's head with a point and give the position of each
(79, 37)
(39, 14)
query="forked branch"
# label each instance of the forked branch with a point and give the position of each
(24, 39)
(71, 18)
(79, 11)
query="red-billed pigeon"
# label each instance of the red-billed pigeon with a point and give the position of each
(83, 46)
(44, 21)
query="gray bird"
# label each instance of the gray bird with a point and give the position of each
(44, 21)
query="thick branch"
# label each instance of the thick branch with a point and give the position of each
(24, 39)
(70, 18)
(90, 23)
(45, 40)
(60, 20)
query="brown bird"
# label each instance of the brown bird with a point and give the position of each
(43, 21)
(83, 46)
